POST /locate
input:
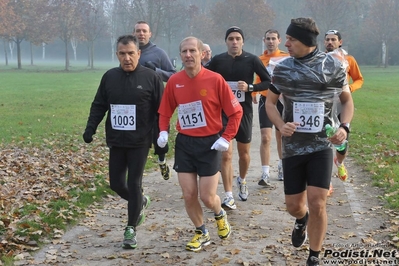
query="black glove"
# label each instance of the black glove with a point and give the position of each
(88, 135)
(151, 65)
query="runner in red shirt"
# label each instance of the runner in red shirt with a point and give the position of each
(200, 96)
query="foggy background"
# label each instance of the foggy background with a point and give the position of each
(37, 31)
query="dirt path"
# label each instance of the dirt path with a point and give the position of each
(261, 226)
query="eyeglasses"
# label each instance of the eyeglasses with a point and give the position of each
(209, 51)
(335, 32)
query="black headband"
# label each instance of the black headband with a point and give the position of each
(304, 36)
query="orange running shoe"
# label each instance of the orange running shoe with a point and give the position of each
(342, 173)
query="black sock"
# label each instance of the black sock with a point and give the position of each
(202, 228)
(313, 254)
(161, 157)
(303, 220)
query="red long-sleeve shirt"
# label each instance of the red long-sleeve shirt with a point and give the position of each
(200, 101)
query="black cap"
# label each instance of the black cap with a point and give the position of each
(234, 29)
(334, 32)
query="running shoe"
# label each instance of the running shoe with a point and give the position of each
(280, 173)
(223, 225)
(264, 180)
(129, 238)
(228, 203)
(242, 189)
(298, 236)
(165, 172)
(342, 173)
(198, 241)
(146, 203)
(313, 261)
(330, 190)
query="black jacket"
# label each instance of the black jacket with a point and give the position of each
(142, 88)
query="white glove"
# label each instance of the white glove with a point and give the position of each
(220, 145)
(162, 139)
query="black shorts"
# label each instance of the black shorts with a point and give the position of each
(264, 121)
(312, 169)
(244, 133)
(194, 155)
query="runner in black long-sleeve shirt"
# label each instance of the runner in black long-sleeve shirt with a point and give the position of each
(238, 68)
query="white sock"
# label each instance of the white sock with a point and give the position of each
(163, 162)
(265, 169)
(229, 194)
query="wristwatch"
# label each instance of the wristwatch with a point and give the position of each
(345, 126)
(250, 87)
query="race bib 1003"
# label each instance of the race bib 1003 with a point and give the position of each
(123, 117)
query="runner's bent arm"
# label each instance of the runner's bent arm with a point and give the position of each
(355, 74)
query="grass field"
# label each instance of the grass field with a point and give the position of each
(374, 140)
(44, 112)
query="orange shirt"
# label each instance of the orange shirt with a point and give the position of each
(265, 57)
(354, 74)
(200, 101)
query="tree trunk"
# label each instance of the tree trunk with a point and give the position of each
(66, 56)
(92, 55)
(5, 52)
(113, 48)
(88, 55)
(43, 51)
(19, 53)
(386, 56)
(383, 53)
(74, 44)
(11, 45)
(31, 53)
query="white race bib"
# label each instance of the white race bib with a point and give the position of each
(191, 115)
(123, 117)
(310, 116)
(240, 95)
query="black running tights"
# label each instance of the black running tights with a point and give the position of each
(130, 161)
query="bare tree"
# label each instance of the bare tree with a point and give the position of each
(41, 27)
(333, 14)
(74, 43)
(21, 10)
(94, 25)
(69, 22)
(120, 20)
(242, 14)
(175, 15)
(382, 23)
(200, 23)
(7, 24)
(153, 12)
(31, 22)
